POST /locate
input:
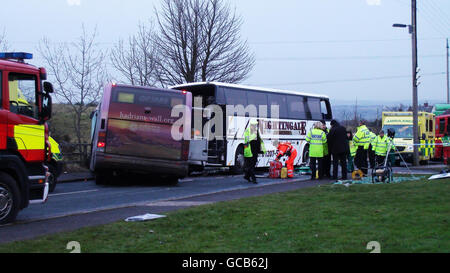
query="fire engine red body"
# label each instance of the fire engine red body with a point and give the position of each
(442, 127)
(24, 146)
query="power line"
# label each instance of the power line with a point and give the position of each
(435, 18)
(346, 58)
(353, 80)
(337, 41)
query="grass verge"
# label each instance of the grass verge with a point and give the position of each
(403, 217)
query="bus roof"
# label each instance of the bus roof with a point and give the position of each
(249, 88)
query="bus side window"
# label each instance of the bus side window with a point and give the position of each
(314, 108)
(296, 107)
(235, 97)
(258, 99)
(280, 101)
(220, 96)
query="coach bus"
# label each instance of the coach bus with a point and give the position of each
(131, 132)
(283, 116)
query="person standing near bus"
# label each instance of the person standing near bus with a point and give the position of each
(316, 139)
(362, 140)
(326, 153)
(338, 147)
(371, 150)
(351, 155)
(253, 145)
(380, 147)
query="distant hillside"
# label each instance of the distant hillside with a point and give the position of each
(370, 110)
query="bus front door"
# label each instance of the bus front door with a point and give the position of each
(198, 146)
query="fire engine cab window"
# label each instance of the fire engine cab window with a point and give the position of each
(441, 126)
(22, 94)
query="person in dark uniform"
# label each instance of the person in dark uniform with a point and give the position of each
(326, 154)
(253, 145)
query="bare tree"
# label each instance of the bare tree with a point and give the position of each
(3, 43)
(199, 41)
(135, 59)
(79, 71)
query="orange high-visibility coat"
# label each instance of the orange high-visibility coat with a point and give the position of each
(286, 148)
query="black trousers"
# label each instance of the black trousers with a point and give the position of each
(371, 156)
(249, 167)
(342, 159)
(361, 159)
(326, 165)
(312, 165)
(380, 160)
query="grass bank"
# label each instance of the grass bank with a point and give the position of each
(403, 217)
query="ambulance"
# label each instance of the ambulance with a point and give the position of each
(402, 124)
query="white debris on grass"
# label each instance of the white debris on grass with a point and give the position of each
(144, 217)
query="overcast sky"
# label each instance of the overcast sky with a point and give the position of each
(342, 48)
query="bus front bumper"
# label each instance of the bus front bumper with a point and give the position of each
(141, 165)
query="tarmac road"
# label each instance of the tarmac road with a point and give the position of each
(84, 197)
(78, 204)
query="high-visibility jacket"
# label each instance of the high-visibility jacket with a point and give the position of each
(380, 145)
(373, 138)
(249, 136)
(362, 137)
(352, 147)
(316, 139)
(325, 145)
(56, 152)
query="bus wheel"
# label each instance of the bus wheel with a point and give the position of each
(239, 160)
(305, 157)
(101, 178)
(9, 199)
(172, 180)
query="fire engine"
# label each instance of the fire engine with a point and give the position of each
(25, 106)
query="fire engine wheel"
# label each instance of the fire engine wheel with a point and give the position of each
(9, 199)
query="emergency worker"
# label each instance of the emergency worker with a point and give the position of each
(253, 145)
(287, 149)
(316, 139)
(361, 140)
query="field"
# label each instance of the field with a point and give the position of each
(402, 217)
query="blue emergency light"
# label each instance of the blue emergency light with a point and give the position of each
(16, 55)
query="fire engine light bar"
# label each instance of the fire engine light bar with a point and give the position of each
(16, 55)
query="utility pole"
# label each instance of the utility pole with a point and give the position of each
(414, 82)
(448, 83)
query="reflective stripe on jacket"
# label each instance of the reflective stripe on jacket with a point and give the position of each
(316, 139)
(380, 145)
(362, 137)
(249, 136)
(325, 145)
